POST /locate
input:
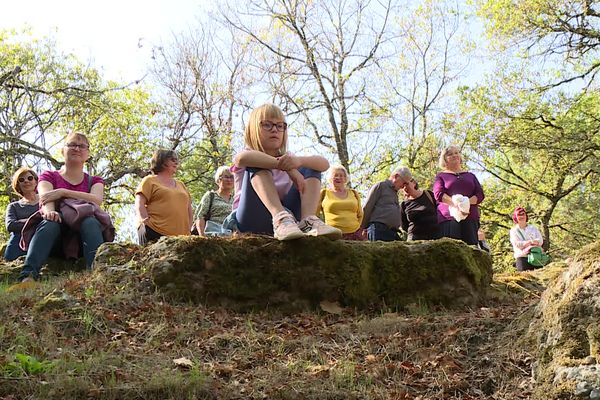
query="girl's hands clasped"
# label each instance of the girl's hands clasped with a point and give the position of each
(288, 162)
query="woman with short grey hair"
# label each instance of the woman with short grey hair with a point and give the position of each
(215, 205)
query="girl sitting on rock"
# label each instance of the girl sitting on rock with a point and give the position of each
(275, 188)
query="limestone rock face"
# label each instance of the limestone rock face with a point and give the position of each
(566, 328)
(256, 272)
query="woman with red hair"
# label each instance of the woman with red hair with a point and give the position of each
(523, 237)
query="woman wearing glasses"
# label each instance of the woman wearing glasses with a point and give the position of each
(274, 188)
(70, 212)
(418, 210)
(163, 204)
(24, 184)
(215, 205)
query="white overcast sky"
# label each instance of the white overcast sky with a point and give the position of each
(114, 35)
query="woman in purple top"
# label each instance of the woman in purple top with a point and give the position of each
(449, 183)
(68, 182)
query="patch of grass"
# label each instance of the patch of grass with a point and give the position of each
(344, 375)
(26, 365)
(419, 307)
(114, 337)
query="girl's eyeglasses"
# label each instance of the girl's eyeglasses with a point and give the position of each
(268, 125)
(29, 178)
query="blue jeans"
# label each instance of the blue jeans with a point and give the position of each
(253, 216)
(379, 231)
(13, 251)
(47, 238)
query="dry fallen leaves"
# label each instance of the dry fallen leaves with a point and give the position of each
(331, 307)
(183, 362)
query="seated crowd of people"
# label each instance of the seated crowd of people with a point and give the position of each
(268, 190)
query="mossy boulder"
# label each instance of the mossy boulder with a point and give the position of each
(566, 329)
(251, 272)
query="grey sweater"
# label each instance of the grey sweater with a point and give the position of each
(382, 206)
(16, 215)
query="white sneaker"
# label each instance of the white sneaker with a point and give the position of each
(285, 227)
(313, 226)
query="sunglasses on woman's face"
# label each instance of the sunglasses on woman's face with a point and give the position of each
(29, 178)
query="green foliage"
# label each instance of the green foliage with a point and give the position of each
(540, 152)
(4, 200)
(556, 30)
(26, 365)
(45, 93)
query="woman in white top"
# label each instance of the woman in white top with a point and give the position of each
(523, 237)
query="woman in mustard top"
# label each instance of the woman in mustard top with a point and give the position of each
(163, 204)
(341, 205)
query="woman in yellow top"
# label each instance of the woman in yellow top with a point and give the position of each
(341, 206)
(163, 204)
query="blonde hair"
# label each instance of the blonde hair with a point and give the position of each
(442, 160)
(17, 175)
(220, 171)
(77, 135)
(252, 131)
(334, 168)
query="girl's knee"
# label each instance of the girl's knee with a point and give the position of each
(260, 173)
(308, 173)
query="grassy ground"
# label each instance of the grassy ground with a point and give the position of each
(86, 336)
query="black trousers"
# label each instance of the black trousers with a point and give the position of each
(465, 230)
(147, 234)
(523, 265)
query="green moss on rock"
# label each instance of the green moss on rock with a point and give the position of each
(255, 271)
(566, 327)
